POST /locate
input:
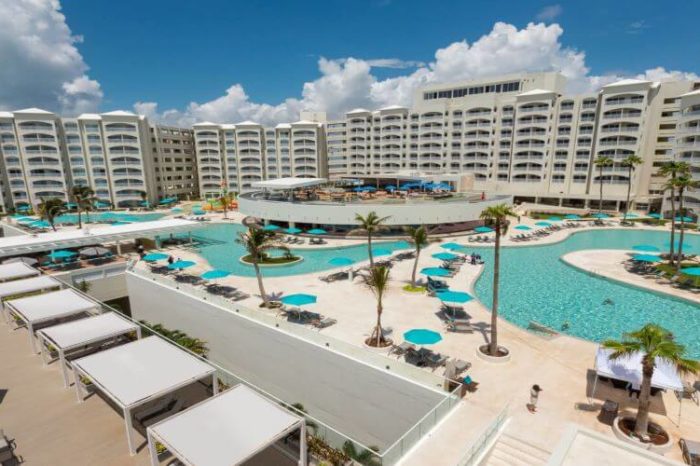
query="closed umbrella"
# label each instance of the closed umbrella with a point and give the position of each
(435, 272)
(155, 256)
(445, 256)
(94, 252)
(215, 274)
(179, 265)
(483, 230)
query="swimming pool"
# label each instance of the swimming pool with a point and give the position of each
(109, 217)
(535, 285)
(222, 252)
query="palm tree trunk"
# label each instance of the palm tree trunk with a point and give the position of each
(629, 189)
(379, 321)
(600, 201)
(641, 424)
(415, 267)
(80, 219)
(258, 275)
(673, 225)
(682, 232)
(369, 249)
(493, 346)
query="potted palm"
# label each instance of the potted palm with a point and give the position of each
(377, 280)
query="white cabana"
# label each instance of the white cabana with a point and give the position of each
(226, 430)
(283, 184)
(72, 339)
(630, 370)
(138, 372)
(44, 308)
(28, 285)
(16, 270)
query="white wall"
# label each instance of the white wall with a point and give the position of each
(372, 406)
(11, 230)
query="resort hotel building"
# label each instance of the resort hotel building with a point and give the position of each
(120, 155)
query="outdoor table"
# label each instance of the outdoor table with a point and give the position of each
(608, 412)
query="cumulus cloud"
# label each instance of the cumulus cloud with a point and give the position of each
(41, 65)
(347, 83)
(550, 12)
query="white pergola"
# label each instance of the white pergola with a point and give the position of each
(46, 307)
(138, 372)
(284, 184)
(16, 271)
(72, 337)
(225, 430)
(28, 285)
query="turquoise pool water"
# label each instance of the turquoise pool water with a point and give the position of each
(224, 253)
(536, 285)
(110, 217)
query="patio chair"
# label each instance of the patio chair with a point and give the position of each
(401, 349)
(691, 451)
(7, 449)
(435, 360)
(690, 391)
(457, 325)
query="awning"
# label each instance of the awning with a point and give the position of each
(630, 370)
(27, 285)
(16, 270)
(288, 183)
(227, 429)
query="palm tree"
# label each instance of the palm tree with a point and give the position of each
(671, 170)
(631, 161)
(84, 197)
(377, 280)
(682, 184)
(600, 163)
(497, 215)
(656, 343)
(370, 224)
(257, 242)
(51, 208)
(419, 238)
(224, 201)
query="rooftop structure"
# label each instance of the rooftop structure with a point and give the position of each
(15, 271)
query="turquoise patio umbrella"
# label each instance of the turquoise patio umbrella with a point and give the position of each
(600, 216)
(341, 261)
(685, 219)
(435, 272)
(523, 227)
(449, 296)
(379, 252)
(451, 246)
(422, 336)
(155, 256)
(179, 265)
(62, 254)
(645, 248)
(40, 224)
(271, 227)
(693, 271)
(299, 299)
(214, 274)
(646, 258)
(572, 217)
(317, 231)
(445, 256)
(176, 210)
(293, 230)
(198, 212)
(23, 208)
(483, 230)
(632, 215)
(554, 218)
(543, 224)
(656, 216)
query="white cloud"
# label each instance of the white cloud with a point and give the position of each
(347, 83)
(550, 12)
(636, 27)
(396, 63)
(40, 64)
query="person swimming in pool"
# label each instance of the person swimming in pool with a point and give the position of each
(608, 302)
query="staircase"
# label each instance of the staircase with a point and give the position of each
(511, 451)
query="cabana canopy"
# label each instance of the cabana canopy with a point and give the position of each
(16, 270)
(227, 429)
(35, 310)
(84, 332)
(630, 370)
(28, 285)
(138, 372)
(288, 183)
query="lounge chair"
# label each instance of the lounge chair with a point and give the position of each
(691, 451)
(457, 325)
(323, 323)
(435, 360)
(460, 365)
(690, 391)
(402, 348)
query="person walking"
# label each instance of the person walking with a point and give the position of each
(534, 397)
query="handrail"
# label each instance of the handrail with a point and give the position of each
(477, 448)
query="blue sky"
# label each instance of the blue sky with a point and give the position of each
(182, 61)
(174, 52)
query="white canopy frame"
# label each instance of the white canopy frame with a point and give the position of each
(21, 287)
(47, 307)
(150, 355)
(630, 370)
(16, 271)
(226, 412)
(83, 333)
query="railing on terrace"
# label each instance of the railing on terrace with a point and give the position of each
(332, 437)
(477, 450)
(455, 197)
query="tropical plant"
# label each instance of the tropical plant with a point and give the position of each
(84, 198)
(51, 208)
(369, 225)
(377, 280)
(257, 242)
(498, 216)
(195, 345)
(600, 163)
(84, 286)
(225, 200)
(671, 170)
(629, 162)
(364, 457)
(656, 344)
(419, 238)
(682, 184)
